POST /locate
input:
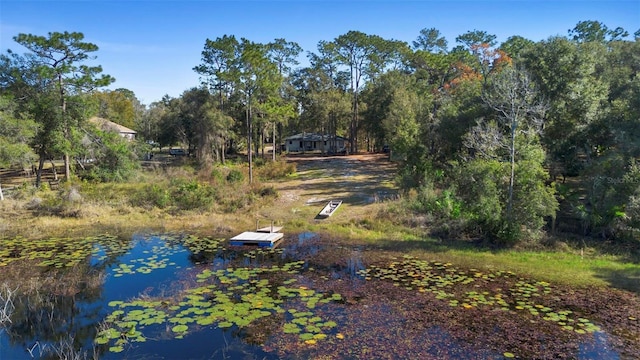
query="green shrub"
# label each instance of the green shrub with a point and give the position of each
(482, 186)
(268, 191)
(152, 195)
(65, 203)
(235, 176)
(442, 204)
(234, 204)
(217, 176)
(192, 195)
(26, 190)
(276, 170)
(116, 159)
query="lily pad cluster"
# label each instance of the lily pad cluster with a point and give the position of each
(260, 253)
(445, 282)
(159, 258)
(198, 245)
(309, 327)
(228, 297)
(59, 252)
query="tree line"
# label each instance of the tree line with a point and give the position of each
(505, 140)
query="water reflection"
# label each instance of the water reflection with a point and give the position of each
(597, 348)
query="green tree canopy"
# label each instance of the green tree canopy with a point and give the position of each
(58, 60)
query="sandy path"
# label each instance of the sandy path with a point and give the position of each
(357, 180)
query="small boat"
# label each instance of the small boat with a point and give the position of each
(330, 208)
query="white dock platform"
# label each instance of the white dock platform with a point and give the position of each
(261, 239)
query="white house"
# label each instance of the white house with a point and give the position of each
(312, 142)
(106, 125)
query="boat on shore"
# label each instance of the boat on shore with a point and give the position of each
(330, 208)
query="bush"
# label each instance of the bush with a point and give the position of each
(442, 204)
(65, 203)
(268, 191)
(26, 190)
(235, 176)
(483, 189)
(152, 196)
(191, 195)
(116, 159)
(258, 161)
(612, 192)
(217, 176)
(276, 170)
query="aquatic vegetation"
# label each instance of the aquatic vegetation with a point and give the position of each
(159, 259)
(232, 297)
(448, 283)
(261, 253)
(198, 245)
(60, 252)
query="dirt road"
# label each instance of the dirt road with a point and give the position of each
(357, 180)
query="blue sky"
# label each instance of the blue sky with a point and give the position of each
(151, 46)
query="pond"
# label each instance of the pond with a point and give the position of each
(176, 296)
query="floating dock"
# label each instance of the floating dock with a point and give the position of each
(269, 236)
(261, 239)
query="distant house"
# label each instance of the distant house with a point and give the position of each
(106, 125)
(310, 142)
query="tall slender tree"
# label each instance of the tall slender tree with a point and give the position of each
(280, 108)
(365, 56)
(59, 57)
(515, 98)
(219, 66)
(258, 80)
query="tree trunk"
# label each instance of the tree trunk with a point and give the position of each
(223, 149)
(249, 141)
(1, 194)
(513, 167)
(53, 169)
(39, 171)
(67, 167)
(262, 142)
(273, 155)
(352, 125)
(67, 135)
(355, 122)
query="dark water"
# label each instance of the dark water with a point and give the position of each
(76, 319)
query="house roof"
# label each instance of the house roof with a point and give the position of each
(106, 125)
(312, 137)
